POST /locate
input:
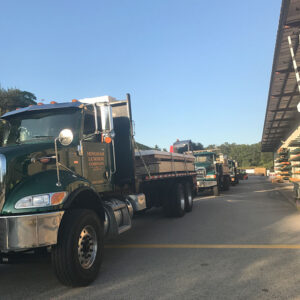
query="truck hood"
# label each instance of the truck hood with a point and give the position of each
(22, 162)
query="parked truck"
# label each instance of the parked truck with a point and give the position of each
(234, 175)
(68, 181)
(212, 171)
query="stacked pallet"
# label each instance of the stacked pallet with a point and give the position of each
(284, 164)
(295, 164)
(160, 162)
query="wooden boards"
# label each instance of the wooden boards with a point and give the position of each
(159, 162)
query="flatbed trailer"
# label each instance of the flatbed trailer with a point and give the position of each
(69, 180)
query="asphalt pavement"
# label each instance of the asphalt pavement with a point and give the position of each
(243, 244)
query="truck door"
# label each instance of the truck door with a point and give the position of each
(96, 153)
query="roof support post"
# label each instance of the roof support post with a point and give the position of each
(294, 61)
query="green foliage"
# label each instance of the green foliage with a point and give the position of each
(211, 146)
(248, 155)
(143, 147)
(197, 146)
(11, 99)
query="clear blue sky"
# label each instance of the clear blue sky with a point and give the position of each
(196, 69)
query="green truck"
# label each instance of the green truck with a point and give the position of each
(212, 171)
(68, 182)
(234, 175)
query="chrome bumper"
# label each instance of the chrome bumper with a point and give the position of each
(206, 184)
(29, 231)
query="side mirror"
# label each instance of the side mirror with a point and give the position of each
(66, 137)
(106, 119)
(107, 123)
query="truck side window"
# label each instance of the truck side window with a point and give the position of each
(89, 126)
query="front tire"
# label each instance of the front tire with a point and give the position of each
(226, 183)
(215, 190)
(77, 257)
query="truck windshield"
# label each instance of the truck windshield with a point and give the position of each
(204, 159)
(36, 127)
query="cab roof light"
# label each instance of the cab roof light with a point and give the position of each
(53, 102)
(40, 103)
(74, 100)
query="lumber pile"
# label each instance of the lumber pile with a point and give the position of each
(159, 162)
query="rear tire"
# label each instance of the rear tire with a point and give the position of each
(178, 201)
(188, 197)
(77, 257)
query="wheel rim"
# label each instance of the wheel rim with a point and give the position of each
(182, 203)
(190, 200)
(87, 247)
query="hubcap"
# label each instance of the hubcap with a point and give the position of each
(87, 247)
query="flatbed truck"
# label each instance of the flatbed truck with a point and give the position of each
(212, 171)
(234, 176)
(68, 182)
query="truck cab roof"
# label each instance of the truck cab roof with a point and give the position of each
(43, 107)
(76, 104)
(203, 153)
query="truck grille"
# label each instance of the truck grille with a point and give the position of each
(200, 173)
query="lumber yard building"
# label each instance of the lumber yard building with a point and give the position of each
(281, 132)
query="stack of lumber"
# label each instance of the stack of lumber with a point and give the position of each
(159, 162)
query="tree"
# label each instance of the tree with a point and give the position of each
(247, 155)
(11, 99)
(196, 146)
(140, 146)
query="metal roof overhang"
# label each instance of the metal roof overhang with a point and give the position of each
(282, 116)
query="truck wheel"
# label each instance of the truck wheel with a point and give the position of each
(77, 257)
(226, 184)
(215, 190)
(178, 201)
(167, 202)
(188, 196)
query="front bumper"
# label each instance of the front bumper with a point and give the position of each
(202, 184)
(29, 231)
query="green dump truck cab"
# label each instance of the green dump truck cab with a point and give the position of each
(68, 181)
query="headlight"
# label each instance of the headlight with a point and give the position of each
(42, 200)
(211, 176)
